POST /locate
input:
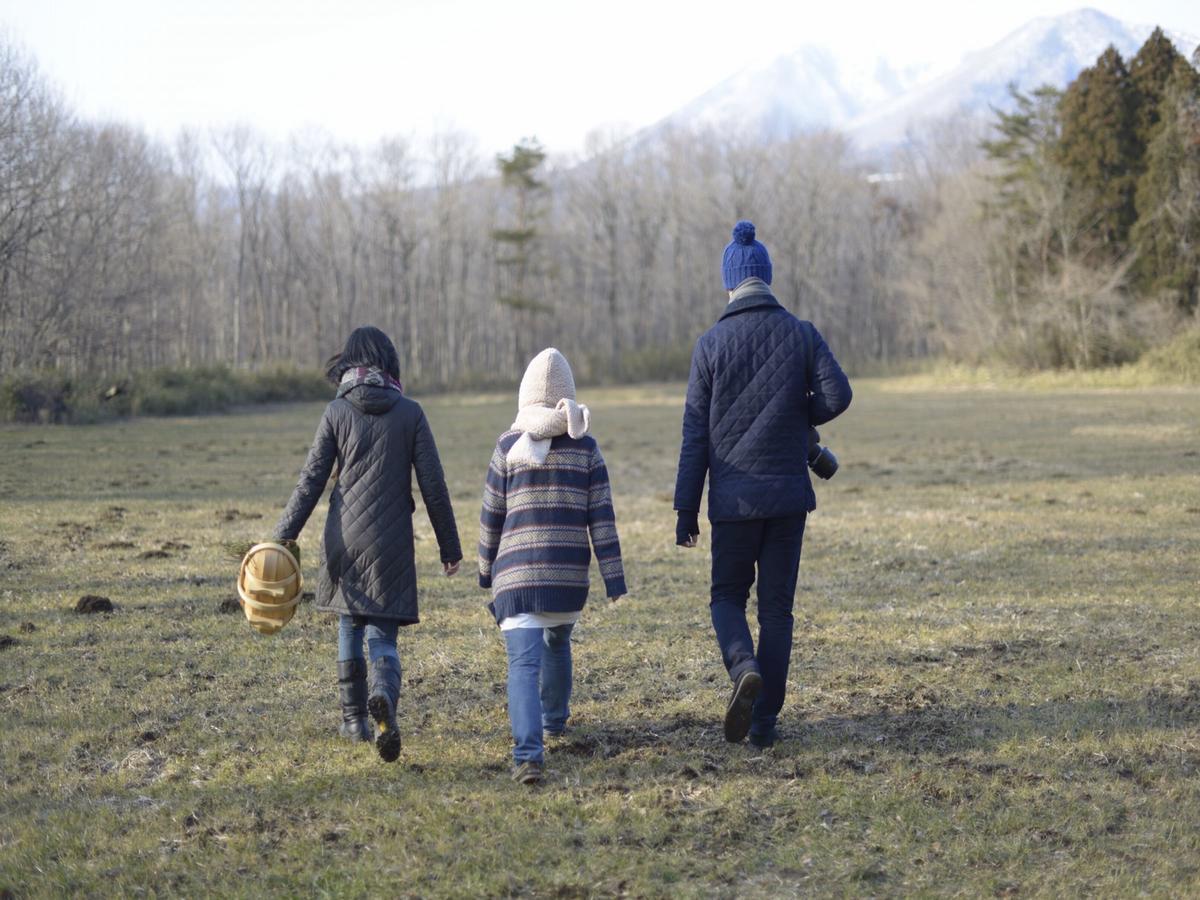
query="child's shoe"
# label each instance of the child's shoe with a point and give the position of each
(385, 691)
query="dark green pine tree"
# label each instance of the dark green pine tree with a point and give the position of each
(517, 245)
(519, 173)
(1167, 234)
(1099, 148)
(1149, 71)
(1025, 142)
(1024, 151)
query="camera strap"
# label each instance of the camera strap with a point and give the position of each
(806, 332)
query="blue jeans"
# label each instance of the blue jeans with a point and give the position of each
(539, 686)
(380, 635)
(738, 548)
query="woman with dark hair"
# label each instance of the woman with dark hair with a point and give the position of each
(378, 438)
(366, 348)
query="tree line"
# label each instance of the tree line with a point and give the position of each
(1065, 237)
(1069, 236)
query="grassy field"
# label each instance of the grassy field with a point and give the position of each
(995, 689)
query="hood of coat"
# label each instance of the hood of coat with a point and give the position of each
(547, 380)
(372, 400)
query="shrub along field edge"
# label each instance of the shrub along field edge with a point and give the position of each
(52, 397)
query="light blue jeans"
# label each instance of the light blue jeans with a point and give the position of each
(379, 633)
(539, 686)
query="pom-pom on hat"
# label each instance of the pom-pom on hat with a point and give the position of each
(744, 257)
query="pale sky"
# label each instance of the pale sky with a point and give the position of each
(500, 70)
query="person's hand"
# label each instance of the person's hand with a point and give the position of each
(451, 568)
(687, 529)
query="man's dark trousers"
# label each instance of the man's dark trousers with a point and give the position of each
(773, 546)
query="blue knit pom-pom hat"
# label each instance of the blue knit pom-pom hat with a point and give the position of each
(744, 257)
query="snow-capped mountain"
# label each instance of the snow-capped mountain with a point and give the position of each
(1050, 50)
(877, 105)
(801, 91)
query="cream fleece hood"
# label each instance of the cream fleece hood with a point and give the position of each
(546, 408)
(547, 380)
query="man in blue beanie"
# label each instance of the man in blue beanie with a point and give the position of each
(760, 378)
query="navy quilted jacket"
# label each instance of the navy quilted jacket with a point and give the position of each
(760, 377)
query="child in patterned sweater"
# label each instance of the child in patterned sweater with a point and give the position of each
(546, 492)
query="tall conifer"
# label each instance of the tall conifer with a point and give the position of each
(1167, 233)
(1099, 148)
(517, 245)
(1024, 153)
(1149, 70)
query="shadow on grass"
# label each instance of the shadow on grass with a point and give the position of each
(931, 729)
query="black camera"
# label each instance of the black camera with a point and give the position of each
(820, 459)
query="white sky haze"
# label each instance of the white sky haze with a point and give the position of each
(364, 69)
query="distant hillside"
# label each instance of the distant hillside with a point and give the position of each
(809, 89)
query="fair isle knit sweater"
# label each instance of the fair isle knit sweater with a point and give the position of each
(535, 525)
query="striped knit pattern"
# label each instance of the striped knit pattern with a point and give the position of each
(535, 527)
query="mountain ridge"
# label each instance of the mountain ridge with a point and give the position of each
(810, 89)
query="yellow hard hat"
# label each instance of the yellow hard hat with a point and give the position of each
(269, 583)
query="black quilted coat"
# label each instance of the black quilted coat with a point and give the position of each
(377, 438)
(759, 378)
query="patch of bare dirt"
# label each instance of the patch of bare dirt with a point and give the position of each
(5, 551)
(74, 534)
(229, 605)
(93, 603)
(236, 515)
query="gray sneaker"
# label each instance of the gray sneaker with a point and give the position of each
(529, 772)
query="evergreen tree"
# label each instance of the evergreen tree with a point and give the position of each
(1099, 148)
(1167, 233)
(1026, 142)
(1026, 169)
(1053, 297)
(1149, 70)
(519, 172)
(517, 245)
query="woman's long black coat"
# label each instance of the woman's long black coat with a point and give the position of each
(377, 438)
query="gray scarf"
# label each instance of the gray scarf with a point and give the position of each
(748, 287)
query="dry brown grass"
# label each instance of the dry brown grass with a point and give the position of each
(995, 688)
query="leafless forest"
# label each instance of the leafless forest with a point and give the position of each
(120, 253)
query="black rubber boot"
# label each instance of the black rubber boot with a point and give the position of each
(352, 689)
(385, 691)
